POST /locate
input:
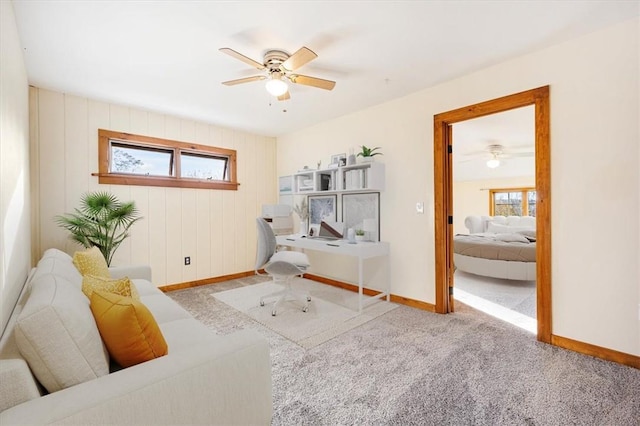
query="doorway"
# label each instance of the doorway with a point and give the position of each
(443, 198)
(494, 175)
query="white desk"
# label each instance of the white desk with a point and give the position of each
(361, 250)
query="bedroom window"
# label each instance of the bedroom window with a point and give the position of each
(512, 202)
(127, 159)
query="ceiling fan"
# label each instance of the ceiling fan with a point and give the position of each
(279, 68)
(496, 152)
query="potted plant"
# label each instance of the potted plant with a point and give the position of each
(359, 234)
(367, 154)
(101, 221)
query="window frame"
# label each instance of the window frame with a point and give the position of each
(524, 203)
(105, 176)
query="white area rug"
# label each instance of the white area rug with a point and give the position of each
(332, 311)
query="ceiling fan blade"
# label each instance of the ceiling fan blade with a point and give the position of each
(298, 59)
(243, 80)
(284, 97)
(520, 154)
(312, 81)
(243, 58)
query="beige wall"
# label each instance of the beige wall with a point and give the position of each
(215, 228)
(594, 172)
(472, 197)
(15, 260)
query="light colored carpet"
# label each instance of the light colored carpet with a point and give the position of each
(332, 310)
(412, 367)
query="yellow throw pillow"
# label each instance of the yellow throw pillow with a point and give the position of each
(91, 262)
(128, 329)
(121, 286)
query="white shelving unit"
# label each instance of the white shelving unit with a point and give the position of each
(362, 177)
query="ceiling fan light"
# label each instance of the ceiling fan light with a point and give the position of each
(276, 87)
(493, 163)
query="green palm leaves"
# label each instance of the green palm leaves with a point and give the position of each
(101, 221)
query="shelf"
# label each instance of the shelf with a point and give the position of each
(361, 177)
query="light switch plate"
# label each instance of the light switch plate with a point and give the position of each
(419, 207)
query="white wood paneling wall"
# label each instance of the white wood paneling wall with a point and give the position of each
(216, 228)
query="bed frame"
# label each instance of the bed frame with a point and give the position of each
(510, 270)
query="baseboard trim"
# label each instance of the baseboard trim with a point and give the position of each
(401, 300)
(596, 351)
(204, 281)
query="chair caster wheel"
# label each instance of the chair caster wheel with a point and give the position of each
(261, 303)
(305, 309)
(308, 298)
(273, 313)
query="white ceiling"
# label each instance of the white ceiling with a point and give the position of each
(514, 130)
(163, 55)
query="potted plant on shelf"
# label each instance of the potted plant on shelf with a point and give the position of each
(101, 221)
(367, 154)
(359, 234)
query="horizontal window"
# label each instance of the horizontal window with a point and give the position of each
(512, 202)
(127, 159)
(203, 166)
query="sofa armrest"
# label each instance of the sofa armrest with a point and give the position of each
(223, 380)
(142, 272)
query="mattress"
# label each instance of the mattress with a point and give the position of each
(488, 246)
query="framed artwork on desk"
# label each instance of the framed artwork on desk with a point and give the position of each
(322, 207)
(362, 211)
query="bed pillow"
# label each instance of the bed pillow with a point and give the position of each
(496, 228)
(128, 329)
(512, 238)
(91, 262)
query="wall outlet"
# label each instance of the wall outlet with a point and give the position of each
(419, 207)
(187, 260)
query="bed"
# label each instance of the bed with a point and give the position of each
(498, 247)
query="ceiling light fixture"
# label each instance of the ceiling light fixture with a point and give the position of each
(494, 162)
(275, 86)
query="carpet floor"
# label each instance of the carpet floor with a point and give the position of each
(411, 367)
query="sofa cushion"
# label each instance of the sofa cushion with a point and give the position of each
(128, 329)
(122, 286)
(59, 263)
(91, 262)
(57, 335)
(164, 308)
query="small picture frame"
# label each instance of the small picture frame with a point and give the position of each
(285, 185)
(339, 160)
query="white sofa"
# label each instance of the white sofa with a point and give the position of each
(204, 379)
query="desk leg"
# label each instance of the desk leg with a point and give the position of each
(388, 278)
(360, 284)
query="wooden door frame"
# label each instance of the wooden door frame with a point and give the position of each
(443, 194)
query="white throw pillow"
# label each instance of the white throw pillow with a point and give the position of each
(497, 228)
(58, 337)
(512, 238)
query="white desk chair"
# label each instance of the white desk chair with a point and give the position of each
(282, 266)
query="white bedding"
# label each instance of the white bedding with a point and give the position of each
(512, 228)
